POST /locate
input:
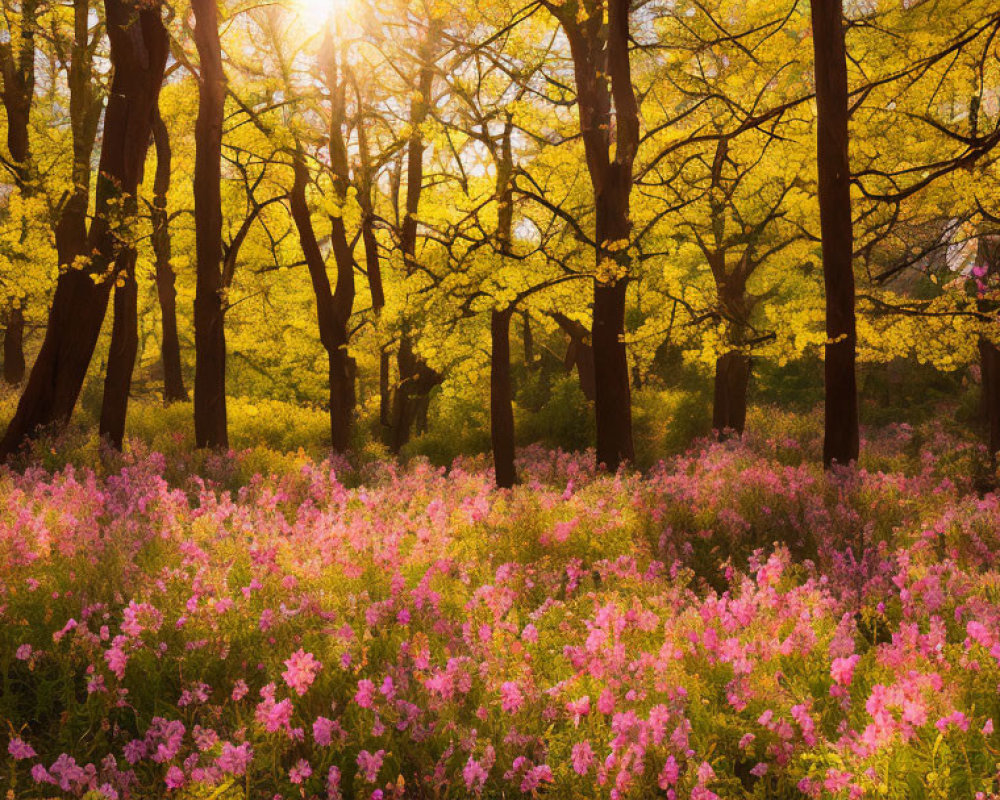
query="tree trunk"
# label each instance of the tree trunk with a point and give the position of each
(333, 308)
(501, 400)
(342, 398)
(18, 70)
(989, 360)
(17, 66)
(989, 354)
(85, 115)
(732, 378)
(166, 292)
(138, 56)
(606, 101)
(342, 367)
(413, 372)
(612, 394)
(121, 353)
(841, 440)
(13, 346)
(529, 344)
(124, 332)
(384, 392)
(210, 424)
(579, 353)
(403, 411)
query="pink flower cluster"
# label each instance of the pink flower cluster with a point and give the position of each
(390, 633)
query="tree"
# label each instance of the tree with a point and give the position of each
(609, 117)
(138, 58)
(18, 72)
(415, 377)
(166, 292)
(841, 437)
(211, 429)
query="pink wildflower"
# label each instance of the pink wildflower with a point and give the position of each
(301, 671)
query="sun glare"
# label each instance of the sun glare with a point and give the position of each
(318, 13)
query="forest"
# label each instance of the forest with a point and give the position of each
(500, 398)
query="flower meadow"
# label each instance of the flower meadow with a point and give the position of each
(733, 623)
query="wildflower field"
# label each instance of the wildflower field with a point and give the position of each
(733, 623)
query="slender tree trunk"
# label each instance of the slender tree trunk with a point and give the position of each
(166, 292)
(989, 360)
(18, 70)
(124, 333)
(343, 369)
(373, 261)
(121, 353)
(210, 424)
(501, 400)
(384, 391)
(414, 374)
(13, 346)
(85, 116)
(989, 355)
(732, 369)
(501, 392)
(333, 308)
(17, 66)
(606, 101)
(529, 343)
(612, 394)
(841, 440)
(579, 353)
(342, 398)
(403, 411)
(732, 379)
(138, 56)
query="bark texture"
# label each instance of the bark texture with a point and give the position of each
(210, 424)
(841, 437)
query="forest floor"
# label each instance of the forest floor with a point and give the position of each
(733, 623)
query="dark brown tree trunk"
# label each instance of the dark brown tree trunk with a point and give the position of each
(373, 262)
(413, 372)
(13, 347)
(501, 400)
(608, 110)
(210, 424)
(333, 308)
(342, 367)
(342, 399)
(732, 378)
(528, 340)
(612, 394)
(121, 353)
(403, 411)
(85, 108)
(384, 391)
(841, 440)
(124, 334)
(989, 354)
(501, 391)
(17, 66)
(579, 353)
(138, 57)
(421, 414)
(18, 72)
(166, 292)
(989, 361)
(412, 398)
